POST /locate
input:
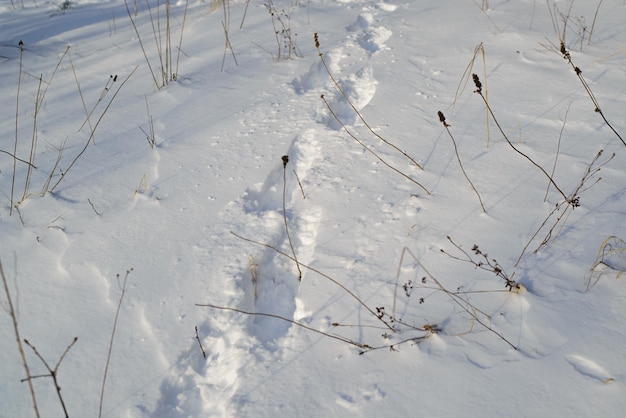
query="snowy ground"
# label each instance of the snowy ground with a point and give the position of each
(200, 216)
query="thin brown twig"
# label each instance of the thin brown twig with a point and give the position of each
(593, 24)
(353, 136)
(200, 343)
(17, 113)
(285, 159)
(141, 45)
(558, 148)
(356, 111)
(324, 275)
(16, 330)
(461, 302)
(52, 373)
(567, 56)
(93, 131)
(442, 119)
(282, 318)
(479, 91)
(110, 351)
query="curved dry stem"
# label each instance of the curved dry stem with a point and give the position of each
(479, 91)
(20, 347)
(442, 119)
(353, 136)
(356, 111)
(324, 275)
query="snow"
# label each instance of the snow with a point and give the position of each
(211, 214)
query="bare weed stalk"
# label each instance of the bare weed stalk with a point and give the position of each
(286, 47)
(558, 149)
(356, 111)
(16, 158)
(392, 324)
(593, 24)
(33, 143)
(226, 25)
(93, 131)
(162, 33)
(16, 330)
(611, 256)
(460, 298)
(145, 55)
(105, 91)
(480, 49)
(52, 373)
(324, 275)
(482, 261)
(180, 40)
(353, 136)
(150, 136)
(122, 287)
(245, 12)
(293, 251)
(82, 98)
(364, 347)
(478, 90)
(563, 209)
(17, 113)
(567, 56)
(200, 343)
(442, 119)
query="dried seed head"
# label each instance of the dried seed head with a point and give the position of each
(285, 160)
(442, 119)
(317, 43)
(477, 83)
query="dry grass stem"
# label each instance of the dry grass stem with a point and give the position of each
(353, 136)
(52, 373)
(356, 111)
(16, 330)
(442, 119)
(122, 287)
(611, 256)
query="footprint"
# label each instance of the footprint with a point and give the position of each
(358, 401)
(371, 38)
(276, 277)
(359, 88)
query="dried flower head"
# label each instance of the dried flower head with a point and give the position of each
(477, 83)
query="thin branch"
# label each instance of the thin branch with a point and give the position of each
(332, 112)
(479, 91)
(442, 119)
(117, 313)
(93, 130)
(141, 44)
(324, 275)
(20, 347)
(293, 251)
(200, 343)
(52, 372)
(282, 318)
(345, 96)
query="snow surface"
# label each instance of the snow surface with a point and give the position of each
(364, 234)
